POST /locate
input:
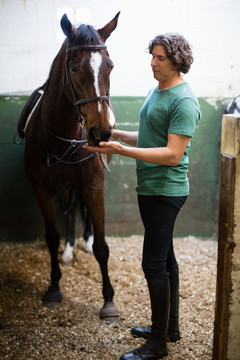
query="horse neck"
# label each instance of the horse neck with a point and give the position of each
(60, 114)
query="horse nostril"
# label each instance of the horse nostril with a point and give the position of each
(107, 135)
(95, 135)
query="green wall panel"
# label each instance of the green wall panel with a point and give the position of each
(21, 219)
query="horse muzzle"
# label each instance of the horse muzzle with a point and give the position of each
(96, 135)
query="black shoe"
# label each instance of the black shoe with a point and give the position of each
(144, 332)
(141, 332)
(174, 336)
(145, 352)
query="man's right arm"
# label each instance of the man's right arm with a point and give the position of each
(128, 137)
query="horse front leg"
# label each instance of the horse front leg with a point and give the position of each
(95, 205)
(46, 203)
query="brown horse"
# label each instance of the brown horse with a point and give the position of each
(74, 109)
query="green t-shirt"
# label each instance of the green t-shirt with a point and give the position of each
(174, 110)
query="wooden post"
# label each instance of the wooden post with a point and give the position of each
(226, 342)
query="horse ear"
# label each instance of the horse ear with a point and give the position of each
(68, 28)
(106, 31)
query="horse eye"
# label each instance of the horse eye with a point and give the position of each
(74, 69)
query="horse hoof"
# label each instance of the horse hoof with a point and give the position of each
(52, 298)
(109, 312)
(65, 261)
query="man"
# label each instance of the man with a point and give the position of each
(167, 122)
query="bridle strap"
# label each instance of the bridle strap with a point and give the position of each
(98, 98)
(75, 145)
(77, 103)
(60, 159)
(73, 142)
(87, 47)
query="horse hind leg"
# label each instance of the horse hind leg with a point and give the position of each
(87, 226)
(88, 236)
(67, 255)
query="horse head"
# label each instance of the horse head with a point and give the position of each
(87, 70)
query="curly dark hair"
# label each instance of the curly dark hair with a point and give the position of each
(177, 48)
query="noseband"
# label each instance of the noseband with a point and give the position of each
(78, 103)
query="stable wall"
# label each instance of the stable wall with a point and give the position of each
(29, 42)
(30, 39)
(21, 219)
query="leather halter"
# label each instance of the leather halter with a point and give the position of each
(77, 102)
(53, 159)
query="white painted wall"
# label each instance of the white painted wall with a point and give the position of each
(28, 43)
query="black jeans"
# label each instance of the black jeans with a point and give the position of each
(158, 215)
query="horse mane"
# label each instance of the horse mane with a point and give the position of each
(87, 34)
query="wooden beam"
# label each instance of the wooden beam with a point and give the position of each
(225, 248)
(226, 342)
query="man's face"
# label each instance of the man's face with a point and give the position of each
(162, 67)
